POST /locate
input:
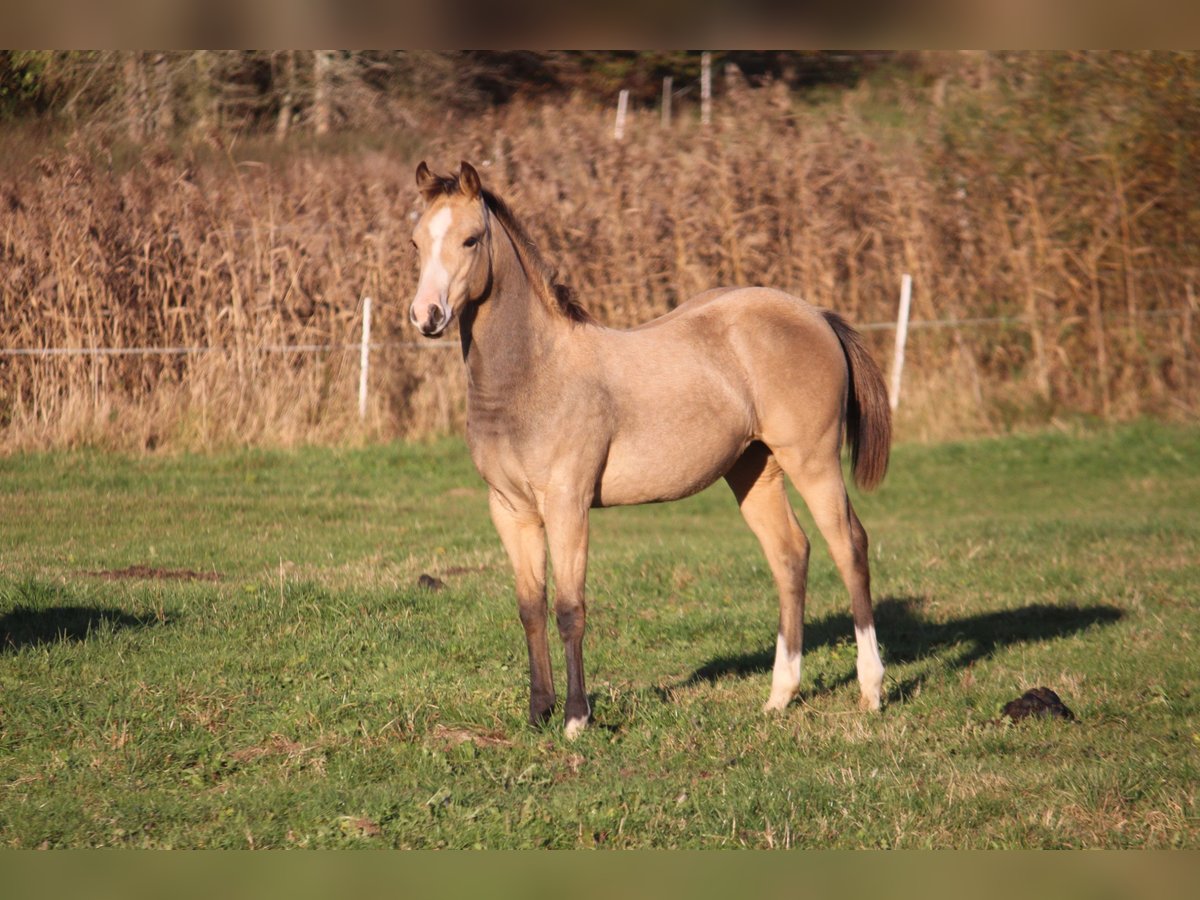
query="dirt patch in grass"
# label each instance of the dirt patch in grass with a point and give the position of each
(277, 745)
(152, 572)
(450, 736)
(467, 570)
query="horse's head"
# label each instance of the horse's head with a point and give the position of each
(453, 238)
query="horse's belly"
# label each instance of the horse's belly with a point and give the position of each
(668, 469)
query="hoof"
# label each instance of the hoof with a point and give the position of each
(541, 708)
(775, 704)
(575, 727)
(869, 704)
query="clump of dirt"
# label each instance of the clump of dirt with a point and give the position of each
(140, 571)
(430, 583)
(1038, 702)
(359, 826)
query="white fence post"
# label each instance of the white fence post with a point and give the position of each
(706, 88)
(622, 106)
(901, 337)
(364, 359)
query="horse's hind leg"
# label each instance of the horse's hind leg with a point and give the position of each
(757, 482)
(819, 480)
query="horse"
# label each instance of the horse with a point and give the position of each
(565, 415)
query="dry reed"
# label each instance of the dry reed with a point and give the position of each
(200, 249)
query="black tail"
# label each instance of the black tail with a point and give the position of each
(868, 413)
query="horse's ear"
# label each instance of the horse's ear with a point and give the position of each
(426, 180)
(468, 180)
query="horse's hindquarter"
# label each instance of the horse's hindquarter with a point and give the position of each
(691, 391)
(794, 363)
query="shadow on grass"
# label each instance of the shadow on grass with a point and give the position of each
(29, 627)
(907, 637)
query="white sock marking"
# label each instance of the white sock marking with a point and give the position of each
(785, 679)
(870, 666)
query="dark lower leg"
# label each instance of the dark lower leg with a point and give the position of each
(790, 576)
(860, 582)
(572, 617)
(567, 530)
(541, 678)
(870, 664)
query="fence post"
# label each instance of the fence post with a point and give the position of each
(901, 337)
(364, 359)
(1187, 332)
(622, 106)
(322, 104)
(706, 88)
(668, 81)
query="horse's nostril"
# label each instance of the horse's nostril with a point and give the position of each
(435, 316)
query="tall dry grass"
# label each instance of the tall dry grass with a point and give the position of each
(206, 248)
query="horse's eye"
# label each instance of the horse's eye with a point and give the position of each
(471, 242)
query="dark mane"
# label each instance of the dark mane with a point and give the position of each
(557, 297)
(542, 273)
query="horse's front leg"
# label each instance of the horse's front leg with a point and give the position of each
(567, 529)
(524, 538)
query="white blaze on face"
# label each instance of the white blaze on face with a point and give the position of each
(434, 286)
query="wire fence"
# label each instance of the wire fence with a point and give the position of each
(366, 346)
(193, 351)
(446, 344)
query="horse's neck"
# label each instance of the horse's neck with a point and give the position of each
(508, 339)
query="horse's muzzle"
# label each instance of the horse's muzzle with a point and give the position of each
(436, 320)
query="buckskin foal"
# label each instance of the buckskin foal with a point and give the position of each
(564, 415)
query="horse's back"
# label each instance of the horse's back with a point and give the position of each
(769, 331)
(687, 307)
(752, 309)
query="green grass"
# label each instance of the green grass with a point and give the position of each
(312, 695)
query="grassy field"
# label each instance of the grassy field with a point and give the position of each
(232, 651)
